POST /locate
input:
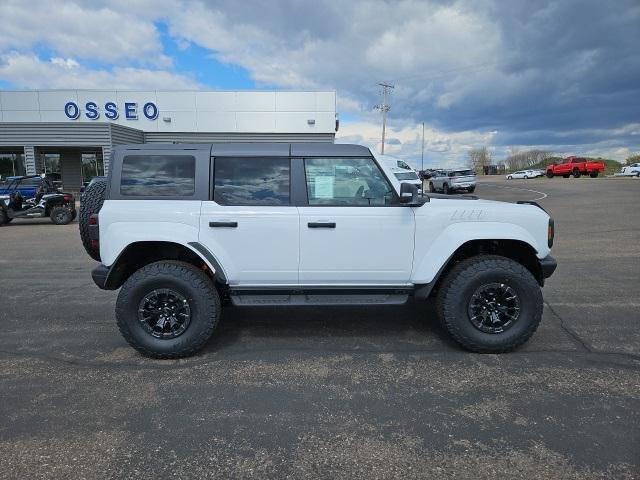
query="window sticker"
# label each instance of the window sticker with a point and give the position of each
(324, 187)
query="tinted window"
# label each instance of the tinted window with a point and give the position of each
(461, 173)
(158, 175)
(251, 181)
(346, 181)
(407, 176)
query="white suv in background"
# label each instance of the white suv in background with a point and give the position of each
(447, 181)
(180, 228)
(400, 170)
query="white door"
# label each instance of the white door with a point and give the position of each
(250, 227)
(354, 231)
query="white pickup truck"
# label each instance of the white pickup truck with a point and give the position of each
(178, 228)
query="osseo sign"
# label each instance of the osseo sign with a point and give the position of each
(111, 110)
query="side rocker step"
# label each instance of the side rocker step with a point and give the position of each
(319, 299)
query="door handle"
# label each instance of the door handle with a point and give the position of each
(223, 224)
(321, 225)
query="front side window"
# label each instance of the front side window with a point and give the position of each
(158, 176)
(251, 181)
(347, 182)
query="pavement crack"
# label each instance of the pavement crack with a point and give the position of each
(572, 333)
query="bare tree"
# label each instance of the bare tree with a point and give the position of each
(518, 160)
(479, 158)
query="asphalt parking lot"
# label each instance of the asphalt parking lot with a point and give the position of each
(332, 393)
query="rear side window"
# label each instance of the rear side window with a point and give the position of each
(251, 181)
(158, 176)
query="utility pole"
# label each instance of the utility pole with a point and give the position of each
(422, 158)
(384, 107)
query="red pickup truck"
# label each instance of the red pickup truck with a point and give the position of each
(575, 166)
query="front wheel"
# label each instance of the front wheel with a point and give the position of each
(509, 177)
(445, 189)
(576, 173)
(549, 174)
(471, 189)
(4, 218)
(595, 174)
(432, 189)
(61, 215)
(526, 177)
(490, 304)
(168, 309)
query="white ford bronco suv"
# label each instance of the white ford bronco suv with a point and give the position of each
(179, 228)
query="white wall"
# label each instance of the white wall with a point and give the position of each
(190, 111)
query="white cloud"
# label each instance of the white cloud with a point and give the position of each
(29, 71)
(441, 149)
(82, 30)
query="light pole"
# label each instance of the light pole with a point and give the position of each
(384, 108)
(422, 157)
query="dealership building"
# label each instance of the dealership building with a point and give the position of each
(69, 134)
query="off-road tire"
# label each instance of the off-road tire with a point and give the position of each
(193, 284)
(432, 189)
(595, 174)
(90, 203)
(550, 174)
(576, 173)
(61, 215)
(459, 285)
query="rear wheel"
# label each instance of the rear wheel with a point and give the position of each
(61, 215)
(526, 177)
(445, 189)
(566, 176)
(4, 218)
(576, 173)
(432, 189)
(471, 189)
(509, 177)
(490, 304)
(90, 203)
(168, 309)
(594, 174)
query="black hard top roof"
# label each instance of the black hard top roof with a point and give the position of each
(246, 149)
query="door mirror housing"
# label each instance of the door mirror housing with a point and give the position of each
(409, 195)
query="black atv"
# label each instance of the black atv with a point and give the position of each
(35, 197)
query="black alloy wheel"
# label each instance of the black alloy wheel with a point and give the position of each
(494, 308)
(164, 313)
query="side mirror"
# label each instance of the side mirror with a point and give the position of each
(409, 194)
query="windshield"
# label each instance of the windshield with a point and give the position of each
(461, 173)
(406, 176)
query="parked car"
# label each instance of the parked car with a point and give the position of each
(526, 174)
(575, 166)
(401, 170)
(448, 181)
(306, 224)
(631, 170)
(538, 173)
(45, 200)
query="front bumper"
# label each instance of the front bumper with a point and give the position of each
(547, 266)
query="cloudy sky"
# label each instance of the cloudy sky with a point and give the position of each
(562, 75)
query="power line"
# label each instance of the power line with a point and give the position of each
(384, 107)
